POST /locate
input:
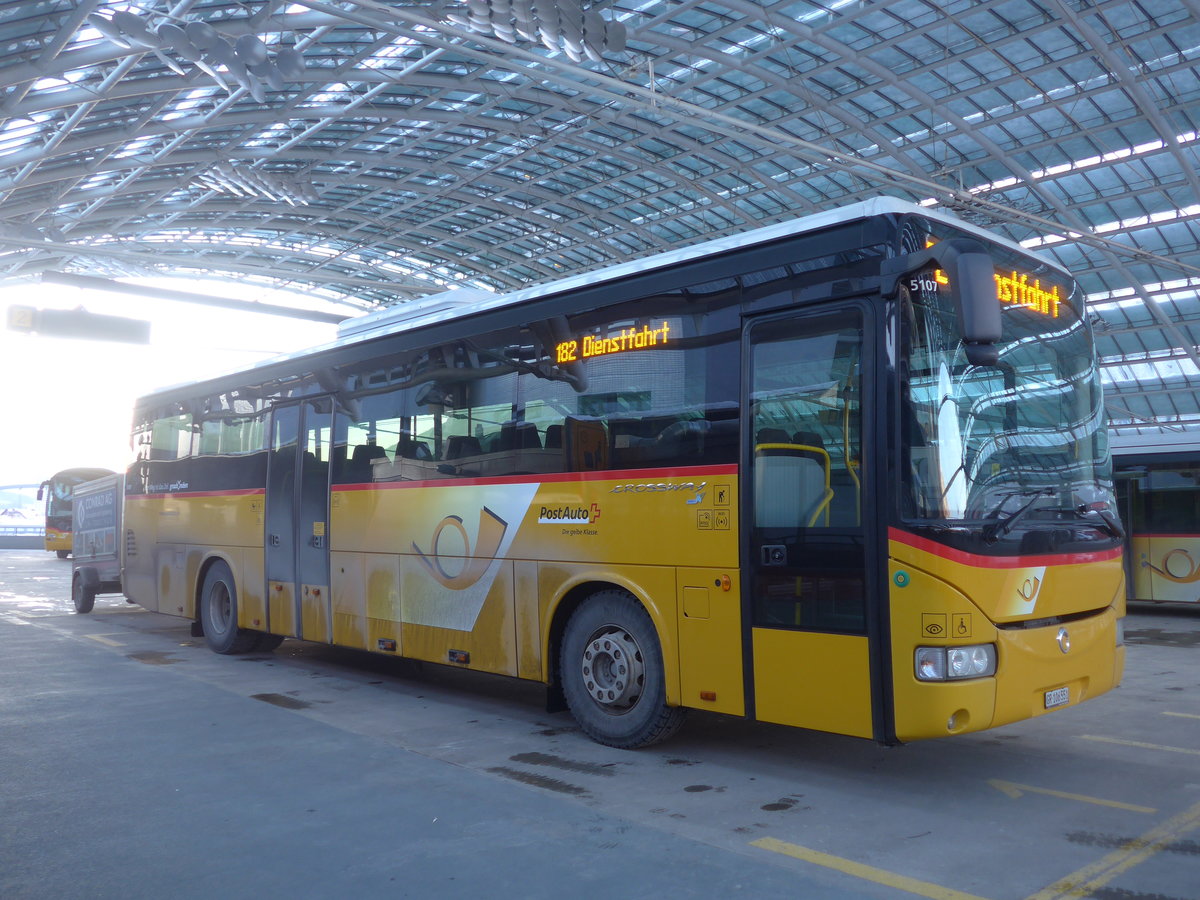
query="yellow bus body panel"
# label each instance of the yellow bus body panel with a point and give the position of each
(164, 553)
(139, 574)
(710, 645)
(366, 599)
(490, 644)
(1034, 588)
(404, 559)
(927, 609)
(252, 603)
(56, 540)
(813, 680)
(1166, 568)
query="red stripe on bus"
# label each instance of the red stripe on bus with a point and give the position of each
(998, 562)
(1184, 535)
(626, 475)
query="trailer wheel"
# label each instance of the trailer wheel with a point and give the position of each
(612, 673)
(218, 614)
(83, 595)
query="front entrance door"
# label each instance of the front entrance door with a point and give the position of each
(807, 555)
(297, 520)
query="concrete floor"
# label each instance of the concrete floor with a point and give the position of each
(135, 763)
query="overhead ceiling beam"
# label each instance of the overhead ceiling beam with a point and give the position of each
(517, 59)
(91, 283)
(156, 259)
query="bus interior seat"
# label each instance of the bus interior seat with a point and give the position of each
(409, 448)
(554, 437)
(519, 435)
(360, 461)
(771, 436)
(460, 445)
(808, 439)
(365, 454)
(844, 485)
(790, 485)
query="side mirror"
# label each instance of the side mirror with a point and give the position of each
(971, 280)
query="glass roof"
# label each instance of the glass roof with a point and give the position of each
(371, 153)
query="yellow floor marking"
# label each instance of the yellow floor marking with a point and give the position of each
(1143, 745)
(1016, 790)
(103, 640)
(1182, 715)
(1092, 878)
(859, 870)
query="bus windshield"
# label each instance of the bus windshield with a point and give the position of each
(1023, 439)
(58, 496)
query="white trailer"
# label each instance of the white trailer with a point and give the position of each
(97, 554)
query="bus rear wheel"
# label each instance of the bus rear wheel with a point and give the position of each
(612, 673)
(218, 614)
(83, 595)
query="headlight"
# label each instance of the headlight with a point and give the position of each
(954, 663)
(1121, 631)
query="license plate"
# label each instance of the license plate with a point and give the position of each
(1057, 697)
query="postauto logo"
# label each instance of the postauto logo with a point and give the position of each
(569, 515)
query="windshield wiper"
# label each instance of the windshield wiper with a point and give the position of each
(1108, 521)
(993, 531)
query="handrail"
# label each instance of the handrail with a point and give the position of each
(823, 506)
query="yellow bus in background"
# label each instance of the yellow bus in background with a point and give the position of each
(57, 491)
(847, 473)
(1158, 496)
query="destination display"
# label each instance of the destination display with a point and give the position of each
(622, 342)
(1017, 289)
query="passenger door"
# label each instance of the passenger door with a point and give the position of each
(807, 531)
(297, 520)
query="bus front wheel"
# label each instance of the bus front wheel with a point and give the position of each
(218, 614)
(612, 673)
(62, 554)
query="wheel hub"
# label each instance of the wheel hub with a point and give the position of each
(612, 667)
(221, 608)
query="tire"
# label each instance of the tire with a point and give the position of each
(63, 554)
(83, 595)
(612, 673)
(218, 614)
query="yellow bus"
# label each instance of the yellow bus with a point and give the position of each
(1158, 497)
(57, 492)
(847, 473)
